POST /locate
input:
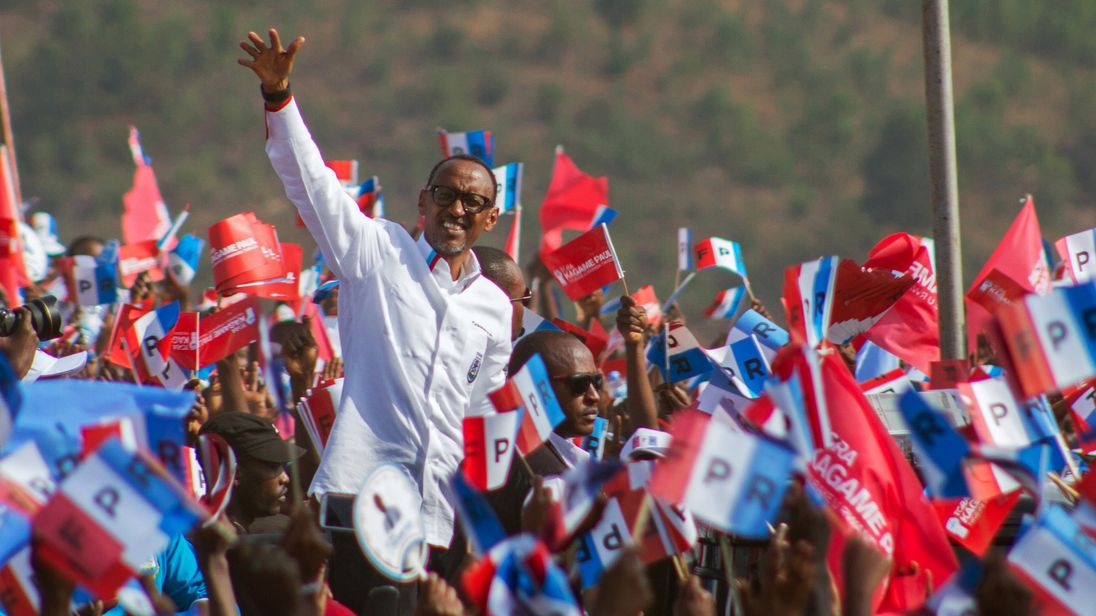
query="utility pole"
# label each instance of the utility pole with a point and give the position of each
(936, 39)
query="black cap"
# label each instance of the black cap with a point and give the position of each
(252, 437)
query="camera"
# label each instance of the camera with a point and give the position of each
(44, 318)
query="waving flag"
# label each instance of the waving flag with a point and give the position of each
(585, 264)
(146, 216)
(513, 240)
(603, 216)
(582, 486)
(518, 576)
(530, 390)
(1077, 252)
(647, 300)
(726, 477)
(182, 261)
(245, 252)
(148, 343)
(909, 329)
(972, 523)
(212, 337)
(939, 448)
(509, 178)
(481, 525)
(92, 282)
(678, 355)
(123, 508)
(746, 365)
(478, 143)
(219, 468)
(533, 322)
(685, 260)
(771, 336)
(170, 238)
(139, 257)
(369, 197)
(594, 443)
(489, 448)
(721, 253)
(571, 201)
(1053, 560)
(1017, 265)
(865, 479)
(726, 303)
(1050, 340)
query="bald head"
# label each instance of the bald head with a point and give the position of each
(559, 350)
(499, 268)
(572, 370)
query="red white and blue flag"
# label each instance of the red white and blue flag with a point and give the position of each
(489, 448)
(146, 216)
(112, 514)
(182, 261)
(721, 253)
(940, 449)
(92, 281)
(1078, 252)
(518, 576)
(678, 355)
(148, 344)
(726, 303)
(370, 198)
(1056, 559)
(509, 178)
(771, 336)
(529, 390)
(603, 215)
(727, 477)
(478, 143)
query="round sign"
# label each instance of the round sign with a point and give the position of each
(388, 523)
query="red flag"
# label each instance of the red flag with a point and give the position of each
(123, 322)
(215, 336)
(571, 201)
(245, 252)
(288, 290)
(13, 272)
(139, 257)
(585, 264)
(324, 350)
(647, 300)
(594, 340)
(1018, 263)
(972, 523)
(146, 216)
(866, 480)
(909, 330)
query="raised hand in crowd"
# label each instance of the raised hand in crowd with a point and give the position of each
(304, 542)
(999, 592)
(211, 542)
(672, 397)
(623, 589)
(197, 415)
(631, 322)
(808, 523)
(693, 599)
(436, 598)
(273, 63)
(785, 579)
(141, 290)
(864, 569)
(298, 352)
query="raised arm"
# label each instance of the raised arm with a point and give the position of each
(632, 323)
(349, 239)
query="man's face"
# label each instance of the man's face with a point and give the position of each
(577, 395)
(261, 488)
(453, 230)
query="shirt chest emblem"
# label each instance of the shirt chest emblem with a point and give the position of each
(473, 370)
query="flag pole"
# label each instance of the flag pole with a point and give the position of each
(936, 43)
(5, 119)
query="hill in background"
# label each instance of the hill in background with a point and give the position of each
(794, 127)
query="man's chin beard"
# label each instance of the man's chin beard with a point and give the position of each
(446, 250)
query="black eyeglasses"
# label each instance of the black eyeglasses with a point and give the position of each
(524, 299)
(444, 196)
(581, 381)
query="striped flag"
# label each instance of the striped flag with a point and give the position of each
(771, 336)
(518, 576)
(115, 511)
(478, 143)
(721, 253)
(1078, 252)
(1056, 559)
(509, 177)
(148, 342)
(533, 322)
(678, 355)
(1050, 340)
(727, 477)
(369, 197)
(603, 215)
(530, 390)
(940, 449)
(726, 303)
(594, 443)
(685, 260)
(489, 448)
(167, 242)
(219, 468)
(182, 261)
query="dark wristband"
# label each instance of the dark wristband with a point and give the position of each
(275, 97)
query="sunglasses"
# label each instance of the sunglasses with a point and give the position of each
(525, 300)
(580, 382)
(444, 196)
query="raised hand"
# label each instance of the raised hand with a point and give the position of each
(271, 63)
(631, 321)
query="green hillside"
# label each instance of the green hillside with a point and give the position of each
(792, 126)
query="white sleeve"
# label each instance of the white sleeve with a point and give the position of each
(493, 370)
(352, 243)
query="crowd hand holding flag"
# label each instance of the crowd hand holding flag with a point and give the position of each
(631, 322)
(437, 598)
(808, 523)
(305, 543)
(672, 397)
(787, 574)
(198, 414)
(141, 291)
(623, 589)
(692, 599)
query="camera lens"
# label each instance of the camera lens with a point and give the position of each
(43, 314)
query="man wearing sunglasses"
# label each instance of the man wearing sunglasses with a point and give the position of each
(576, 382)
(424, 335)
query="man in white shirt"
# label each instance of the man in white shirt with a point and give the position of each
(425, 337)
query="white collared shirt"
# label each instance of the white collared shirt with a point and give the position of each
(420, 349)
(572, 454)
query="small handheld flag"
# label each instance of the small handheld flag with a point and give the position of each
(726, 303)
(489, 448)
(509, 178)
(478, 143)
(585, 264)
(685, 261)
(530, 390)
(182, 261)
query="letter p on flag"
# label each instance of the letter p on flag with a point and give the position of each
(489, 448)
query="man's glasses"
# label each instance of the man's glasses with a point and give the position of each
(525, 300)
(444, 196)
(581, 381)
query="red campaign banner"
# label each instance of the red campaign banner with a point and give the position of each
(996, 290)
(215, 335)
(244, 251)
(139, 257)
(123, 322)
(909, 329)
(973, 523)
(585, 264)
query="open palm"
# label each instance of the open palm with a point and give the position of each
(271, 63)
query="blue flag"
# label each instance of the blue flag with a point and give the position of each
(939, 448)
